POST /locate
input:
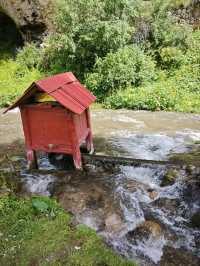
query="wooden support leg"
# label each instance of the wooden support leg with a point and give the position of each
(32, 159)
(89, 143)
(77, 159)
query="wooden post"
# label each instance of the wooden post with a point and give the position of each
(32, 159)
(89, 139)
(77, 158)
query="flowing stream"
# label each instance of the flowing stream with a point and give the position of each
(130, 207)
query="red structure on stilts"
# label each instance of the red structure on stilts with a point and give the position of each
(60, 124)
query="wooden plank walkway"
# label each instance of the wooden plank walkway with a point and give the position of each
(94, 159)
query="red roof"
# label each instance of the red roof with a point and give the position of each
(64, 88)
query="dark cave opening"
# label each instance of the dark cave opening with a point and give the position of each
(10, 36)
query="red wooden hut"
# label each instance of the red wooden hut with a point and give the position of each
(60, 124)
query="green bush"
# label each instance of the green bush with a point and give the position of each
(171, 57)
(86, 30)
(153, 99)
(94, 39)
(180, 93)
(29, 56)
(128, 66)
(166, 33)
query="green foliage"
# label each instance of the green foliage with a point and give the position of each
(167, 38)
(128, 66)
(14, 81)
(179, 3)
(171, 57)
(87, 30)
(153, 99)
(163, 6)
(29, 56)
(165, 33)
(29, 237)
(95, 40)
(179, 92)
(43, 205)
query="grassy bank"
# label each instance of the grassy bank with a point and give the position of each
(37, 231)
(14, 78)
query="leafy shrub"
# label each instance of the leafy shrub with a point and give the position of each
(87, 30)
(163, 6)
(128, 66)
(171, 57)
(44, 205)
(166, 32)
(192, 56)
(180, 93)
(153, 99)
(29, 56)
(94, 39)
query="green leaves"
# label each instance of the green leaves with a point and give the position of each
(128, 66)
(86, 30)
(40, 206)
(45, 206)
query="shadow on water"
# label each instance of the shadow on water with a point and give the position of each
(145, 213)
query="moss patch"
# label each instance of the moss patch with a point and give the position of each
(169, 178)
(192, 157)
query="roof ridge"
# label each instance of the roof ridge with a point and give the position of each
(73, 95)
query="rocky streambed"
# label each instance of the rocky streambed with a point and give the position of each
(149, 212)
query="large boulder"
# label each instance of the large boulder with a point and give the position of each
(178, 257)
(31, 17)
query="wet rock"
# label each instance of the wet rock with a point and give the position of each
(146, 230)
(197, 239)
(191, 157)
(191, 192)
(113, 223)
(152, 194)
(169, 178)
(132, 186)
(169, 207)
(166, 203)
(195, 220)
(77, 197)
(178, 257)
(190, 169)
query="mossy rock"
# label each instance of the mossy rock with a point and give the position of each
(192, 157)
(169, 178)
